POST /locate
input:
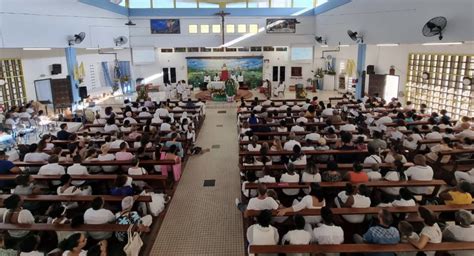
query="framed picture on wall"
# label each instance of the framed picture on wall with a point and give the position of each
(281, 25)
(296, 71)
(165, 26)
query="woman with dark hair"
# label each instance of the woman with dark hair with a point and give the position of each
(315, 200)
(122, 186)
(357, 175)
(15, 214)
(74, 245)
(346, 144)
(431, 232)
(263, 158)
(262, 233)
(406, 199)
(298, 157)
(396, 173)
(331, 174)
(110, 126)
(353, 197)
(290, 176)
(310, 174)
(67, 188)
(299, 235)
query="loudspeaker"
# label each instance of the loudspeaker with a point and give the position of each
(55, 69)
(370, 69)
(166, 77)
(83, 92)
(173, 75)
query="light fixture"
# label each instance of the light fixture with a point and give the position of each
(93, 49)
(387, 45)
(324, 45)
(2, 82)
(449, 43)
(36, 49)
(344, 45)
(465, 81)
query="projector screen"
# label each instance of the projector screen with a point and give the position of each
(145, 55)
(301, 53)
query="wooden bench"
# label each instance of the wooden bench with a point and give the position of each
(371, 210)
(359, 248)
(99, 163)
(320, 166)
(341, 184)
(74, 198)
(67, 227)
(306, 152)
(323, 124)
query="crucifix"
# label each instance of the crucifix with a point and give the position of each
(222, 14)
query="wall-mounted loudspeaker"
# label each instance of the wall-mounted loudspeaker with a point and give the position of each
(83, 92)
(55, 69)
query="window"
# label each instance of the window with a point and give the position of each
(216, 28)
(303, 3)
(206, 49)
(258, 4)
(180, 49)
(230, 28)
(268, 49)
(140, 4)
(208, 5)
(205, 29)
(236, 5)
(193, 49)
(230, 49)
(253, 28)
(167, 50)
(186, 4)
(242, 28)
(243, 49)
(281, 3)
(281, 49)
(193, 29)
(13, 92)
(220, 49)
(256, 49)
(162, 3)
(320, 2)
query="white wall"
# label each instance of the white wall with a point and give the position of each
(178, 60)
(49, 23)
(396, 21)
(141, 36)
(384, 57)
(37, 65)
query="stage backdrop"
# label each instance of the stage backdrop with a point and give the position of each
(249, 67)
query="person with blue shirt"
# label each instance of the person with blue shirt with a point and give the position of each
(381, 233)
(7, 167)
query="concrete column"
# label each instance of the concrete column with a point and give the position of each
(361, 53)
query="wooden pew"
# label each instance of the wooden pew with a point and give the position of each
(371, 210)
(99, 163)
(66, 227)
(75, 198)
(150, 178)
(306, 152)
(323, 124)
(341, 184)
(358, 248)
(320, 166)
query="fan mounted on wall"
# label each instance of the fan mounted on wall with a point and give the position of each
(121, 40)
(76, 39)
(320, 40)
(435, 27)
(355, 36)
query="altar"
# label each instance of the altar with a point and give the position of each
(216, 85)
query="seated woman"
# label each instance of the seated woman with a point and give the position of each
(346, 144)
(299, 235)
(310, 174)
(67, 188)
(128, 217)
(276, 146)
(263, 158)
(122, 186)
(135, 169)
(172, 154)
(15, 214)
(353, 197)
(357, 175)
(254, 146)
(262, 233)
(298, 157)
(331, 174)
(110, 126)
(431, 232)
(105, 156)
(292, 177)
(74, 246)
(314, 200)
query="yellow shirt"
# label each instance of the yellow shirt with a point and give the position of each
(459, 198)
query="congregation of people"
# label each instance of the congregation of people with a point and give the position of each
(124, 140)
(295, 154)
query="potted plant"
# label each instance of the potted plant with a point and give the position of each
(230, 90)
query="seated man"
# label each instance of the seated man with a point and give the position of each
(463, 231)
(98, 215)
(382, 233)
(63, 134)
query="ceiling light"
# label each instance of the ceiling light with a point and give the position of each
(450, 43)
(36, 49)
(118, 48)
(344, 45)
(387, 45)
(324, 45)
(92, 49)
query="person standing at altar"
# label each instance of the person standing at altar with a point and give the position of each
(180, 89)
(207, 78)
(216, 78)
(240, 79)
(267, 87)
(280, 88)
(233, 76)
(224, 73)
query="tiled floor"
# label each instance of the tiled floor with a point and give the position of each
(203, 220)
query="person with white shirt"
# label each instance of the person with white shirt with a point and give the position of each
(110, 126)
(254, 146)
(98, 215)
(216, 78)
(353, 197)
(328, 111)
(327, 232)
(262, 233)
(36, 156)
(299, 127)
(77, 169)
(299, 235)
(406, 199)
(466, 132)
(52, 168)
(290, 176)
(301, 118)
(261, 202)
(431, 232)
(395, 174)
(384, 119)
(105, 156)
(129, 118)
(434, 135)
(165, 126)
(314, 200)
(161, 111)
(411, 141)
(310, 175)
(16, 214)
(116, 143)
(313, 135)
(462, 231)
(289, 145)
(420, 171)
(266, 178)
(348, 128)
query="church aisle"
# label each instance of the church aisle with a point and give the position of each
(203, 220)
